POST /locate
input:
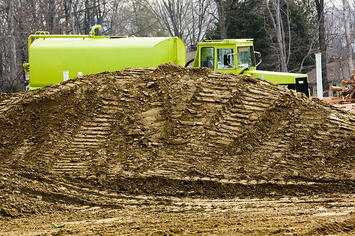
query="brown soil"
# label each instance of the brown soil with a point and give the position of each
(174, 150)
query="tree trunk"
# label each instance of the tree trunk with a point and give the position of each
(12, 43)
(87, 15)
(322, 43)
(52, 17)
(280, 35)
(1, 68)
(349, 47)
(221, 19)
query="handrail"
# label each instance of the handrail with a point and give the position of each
(92, 32)
(230, 40)
(42, 33)
(46, 34)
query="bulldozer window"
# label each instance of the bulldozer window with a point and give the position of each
(207, 57)
(246, 57)
(225, 58)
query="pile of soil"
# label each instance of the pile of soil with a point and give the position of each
(169, 131)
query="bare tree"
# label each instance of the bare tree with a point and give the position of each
(187, 19)
(12, 41)
(9, 49)
(346, 10)
(200, 20)
(284, 46)
(134, 17)
(3, 29)
(322, 43)
(172, 15)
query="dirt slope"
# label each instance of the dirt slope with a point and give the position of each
(168, 132)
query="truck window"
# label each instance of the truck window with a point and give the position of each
(246, 57)
(225, 58)
(207, 57)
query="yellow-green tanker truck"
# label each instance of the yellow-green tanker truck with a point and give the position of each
(56, 58)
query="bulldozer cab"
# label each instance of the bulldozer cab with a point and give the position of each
(229, 55)
(237, 56)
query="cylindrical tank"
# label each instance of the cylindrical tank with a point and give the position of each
(56, 59)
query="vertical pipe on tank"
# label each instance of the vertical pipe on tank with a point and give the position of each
(319, 75)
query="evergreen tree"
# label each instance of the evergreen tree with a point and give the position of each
(301, 20)
(246, 20)
(249, 19)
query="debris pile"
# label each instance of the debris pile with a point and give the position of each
(346, 98)
(348, 91)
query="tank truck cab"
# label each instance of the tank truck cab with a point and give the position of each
(237, 56)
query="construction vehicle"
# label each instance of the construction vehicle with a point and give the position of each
(237, 56)
(56, 58)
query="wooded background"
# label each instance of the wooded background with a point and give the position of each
(286, 32)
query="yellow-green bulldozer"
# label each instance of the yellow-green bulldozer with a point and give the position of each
(56, 58)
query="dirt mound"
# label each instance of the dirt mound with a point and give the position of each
(169, 131)
(347, 227)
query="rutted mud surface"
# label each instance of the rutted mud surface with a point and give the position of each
(140, 215)
(149, 139)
